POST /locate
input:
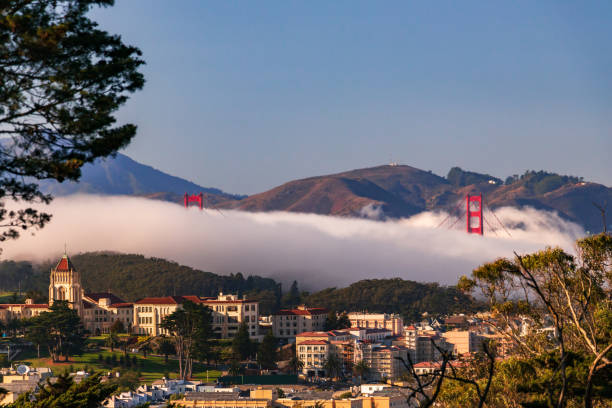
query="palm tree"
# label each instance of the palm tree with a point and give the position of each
(295, 364)
(362, 369)
(333, 366)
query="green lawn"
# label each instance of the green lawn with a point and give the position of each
(7, 297)
(152, 368)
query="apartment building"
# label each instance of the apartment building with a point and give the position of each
(287, 323)
(228, 313)
(428, 347)
(150, 311)
(391, 322)
(383, 360)
(464, 341)
(101, 310)
(25, 310)
(314, 348)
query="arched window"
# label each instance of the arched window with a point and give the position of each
(61, 293)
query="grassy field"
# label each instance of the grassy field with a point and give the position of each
(7, 297)
(152, 368)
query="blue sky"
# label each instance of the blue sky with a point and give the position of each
(247, 95)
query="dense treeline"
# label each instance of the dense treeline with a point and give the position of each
(14, 275)
(132, 277)
(408, 298)
(135, 276)
(541, 182)
(459, 177)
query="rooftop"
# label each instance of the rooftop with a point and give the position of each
(64, 265)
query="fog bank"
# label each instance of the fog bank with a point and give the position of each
(319, 251)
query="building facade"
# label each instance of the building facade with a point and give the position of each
(102, 310)
(391, 322)
(228, 313)
(99, 311)
(464, 341)
(288, 323)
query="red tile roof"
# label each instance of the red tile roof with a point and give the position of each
(123, 304)
(331, 333)
(302, 312)
(32, 306)
(64, 264)
(427, 364)
(167, 300)
(313, 334)
(313, 342)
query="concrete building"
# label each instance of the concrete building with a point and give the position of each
(391, 322)
(287, 323)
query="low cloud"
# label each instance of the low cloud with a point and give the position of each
(319, 251)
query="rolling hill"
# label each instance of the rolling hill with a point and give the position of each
(401, 191)
(383, 191)
(120, 175)
(132, 277)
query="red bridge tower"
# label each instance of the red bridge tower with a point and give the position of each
(474, 214)
(194, 198)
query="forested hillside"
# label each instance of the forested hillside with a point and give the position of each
(132, 277)
(408, 298)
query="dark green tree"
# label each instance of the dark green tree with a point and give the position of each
(266, 353)
(235, 368)
(112, 340)
(190, 328)
(165, 347)
(362, 369)
(145, 349)
(64, 330)
(38, 335)
(117, 327)
(242, 347)
(65, 393)
(293, 297)
(295, 364)
(333, 366)
(343, 321)
(331, 322)
(61, 81)
(37, 296)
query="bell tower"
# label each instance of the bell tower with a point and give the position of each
(65, 284)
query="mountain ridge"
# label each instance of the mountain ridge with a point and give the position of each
(393, 191)
(401, 191)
